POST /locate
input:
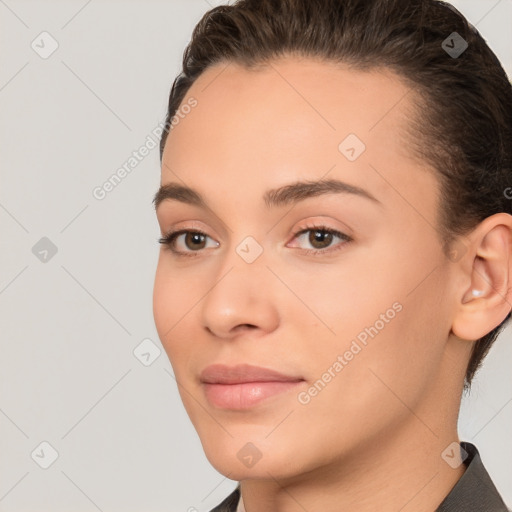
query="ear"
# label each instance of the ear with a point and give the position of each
(486, 295)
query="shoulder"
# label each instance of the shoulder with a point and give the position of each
(475, 490)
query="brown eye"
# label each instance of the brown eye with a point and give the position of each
(320, 238)
(193, 241)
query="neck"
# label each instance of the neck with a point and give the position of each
(400, 471)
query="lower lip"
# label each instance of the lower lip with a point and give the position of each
(246, 394)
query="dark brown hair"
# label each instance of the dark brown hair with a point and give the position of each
(463, 126)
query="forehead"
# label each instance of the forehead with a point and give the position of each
(294, 118)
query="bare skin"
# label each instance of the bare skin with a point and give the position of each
(372, 438)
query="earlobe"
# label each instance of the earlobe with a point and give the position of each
(487, 301)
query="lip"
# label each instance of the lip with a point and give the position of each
(243, 386)
(240, 373)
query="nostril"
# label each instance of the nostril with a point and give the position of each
(246, 326)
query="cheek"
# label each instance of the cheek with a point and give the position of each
(175, 292)
(162, 302)
(341, 298)
(382, 317)
(171, 301)
(393, 366)
(177, 302)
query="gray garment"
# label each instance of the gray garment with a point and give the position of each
(474, 492)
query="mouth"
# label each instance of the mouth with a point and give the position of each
(243, 386)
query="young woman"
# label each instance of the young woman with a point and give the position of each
(336, 258)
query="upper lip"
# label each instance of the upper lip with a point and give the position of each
(222, 374)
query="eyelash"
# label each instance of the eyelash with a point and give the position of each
(169, 239)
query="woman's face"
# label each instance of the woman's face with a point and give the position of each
(361, 325)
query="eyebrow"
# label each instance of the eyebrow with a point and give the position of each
(279, 197)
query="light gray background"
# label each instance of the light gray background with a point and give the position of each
(69, 325)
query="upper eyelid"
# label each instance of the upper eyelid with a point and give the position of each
(318, 226)
(310, 224)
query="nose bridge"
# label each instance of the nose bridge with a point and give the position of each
(246, 247)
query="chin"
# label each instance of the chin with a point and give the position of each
(239, 458)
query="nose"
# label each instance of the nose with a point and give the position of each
(241, 300)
